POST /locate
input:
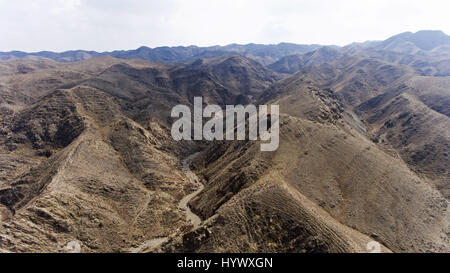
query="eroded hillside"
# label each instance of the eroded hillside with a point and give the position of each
(86, 155)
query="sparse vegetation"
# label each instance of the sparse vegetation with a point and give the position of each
(86, 153)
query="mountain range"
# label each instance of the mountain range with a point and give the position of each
(86, 153)
(431, 43)
(263, 53)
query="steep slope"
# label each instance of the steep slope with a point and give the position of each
(91, 159)
(332, 169)
(401, 110)
(356, 78)
(408, 119)
(86, 155)
(237, 73)
(108, 188)
(23, 81)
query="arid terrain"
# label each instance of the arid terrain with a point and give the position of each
(87, 156)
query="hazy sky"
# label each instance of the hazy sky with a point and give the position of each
(101, 25)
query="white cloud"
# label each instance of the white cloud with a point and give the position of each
(119, 24)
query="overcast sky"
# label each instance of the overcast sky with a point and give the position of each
(105, 25)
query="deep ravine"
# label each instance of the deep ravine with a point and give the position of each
(182, 206)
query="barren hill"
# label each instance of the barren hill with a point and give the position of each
(86, 154)
(324, 167)
(292, 63)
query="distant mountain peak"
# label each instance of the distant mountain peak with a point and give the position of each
(423, 39)
(438, 32)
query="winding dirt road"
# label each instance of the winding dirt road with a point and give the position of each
(182, 206)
